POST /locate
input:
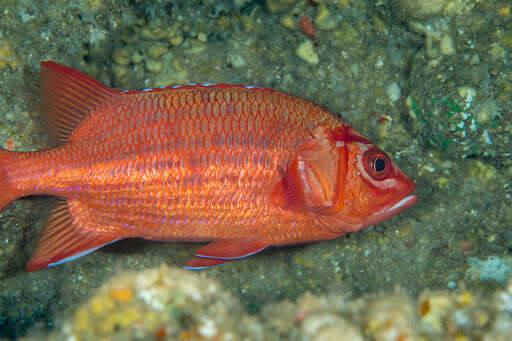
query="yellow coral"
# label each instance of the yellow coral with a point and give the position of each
(100, 305)
(122, 294)
(505, 11)
(95, 4)
(7, 55)
(465, 299)
(461, 337)
(82, 320)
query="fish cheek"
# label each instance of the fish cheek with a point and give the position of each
(353, 208)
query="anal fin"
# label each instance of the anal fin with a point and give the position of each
(60, 241)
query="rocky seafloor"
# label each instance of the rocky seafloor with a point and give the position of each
(167, 303)
(429, 82)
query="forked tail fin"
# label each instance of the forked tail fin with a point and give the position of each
(8, 191)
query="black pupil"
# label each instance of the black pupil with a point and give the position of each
(380, 165)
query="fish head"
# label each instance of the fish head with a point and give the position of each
(345, 181)
(372, 188)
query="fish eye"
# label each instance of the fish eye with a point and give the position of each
(377, 164)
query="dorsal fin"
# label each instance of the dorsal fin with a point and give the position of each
(68, 96)
(60, 241)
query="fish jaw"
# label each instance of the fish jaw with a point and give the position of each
(392, 210)
(341, 224)
(400, 199)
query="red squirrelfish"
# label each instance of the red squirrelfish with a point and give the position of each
(240, 167)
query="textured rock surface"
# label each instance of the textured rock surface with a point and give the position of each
(166, 303)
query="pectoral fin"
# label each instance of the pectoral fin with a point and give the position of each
(230, 249)
(220, 252)
(199, 263)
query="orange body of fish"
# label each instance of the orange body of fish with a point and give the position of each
(242, 168)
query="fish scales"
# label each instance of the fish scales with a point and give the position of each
(241, 167)
(148, 186)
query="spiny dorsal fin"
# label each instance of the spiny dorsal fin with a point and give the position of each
(68, 96)
(60, 241)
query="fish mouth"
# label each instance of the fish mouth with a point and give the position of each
(344, 224)
(393, 210)
(402, 205)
